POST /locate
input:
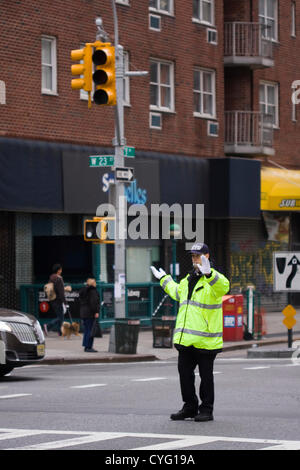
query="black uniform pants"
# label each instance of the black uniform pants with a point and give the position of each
(189, 358)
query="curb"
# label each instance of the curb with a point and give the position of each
(151, 357)
(107, 359)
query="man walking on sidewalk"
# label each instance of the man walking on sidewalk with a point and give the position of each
(198, 334)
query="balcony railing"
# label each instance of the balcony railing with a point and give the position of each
(245, 44)
(248, 133)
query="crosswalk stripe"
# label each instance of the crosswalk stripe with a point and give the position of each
(175, 441)
(16, 395)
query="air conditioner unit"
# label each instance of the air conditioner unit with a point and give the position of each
(212, 36)
(154, 22)
(155, 121)
(212, 128)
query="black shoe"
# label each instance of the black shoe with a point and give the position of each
(90, 350)
(183, 414)
(204, 417)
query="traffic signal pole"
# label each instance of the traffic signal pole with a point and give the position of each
(116, 193)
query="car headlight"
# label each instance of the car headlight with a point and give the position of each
(39, 331)
(4, 326)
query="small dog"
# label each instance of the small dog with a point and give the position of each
(70, 328)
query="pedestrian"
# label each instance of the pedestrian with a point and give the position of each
(59, 304)
(89, 310)
(198, 334)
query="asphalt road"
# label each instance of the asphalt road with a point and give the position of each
(127, 406)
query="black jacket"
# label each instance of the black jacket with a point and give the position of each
(59, 288)
(89, 302)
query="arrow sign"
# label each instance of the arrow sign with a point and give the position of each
(124, 174)
(294, 263)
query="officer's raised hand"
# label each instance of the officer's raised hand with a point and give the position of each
(204, 267)
(158, 273)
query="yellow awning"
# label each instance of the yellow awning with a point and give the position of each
(280, 189)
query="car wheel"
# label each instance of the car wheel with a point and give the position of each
(5, 370)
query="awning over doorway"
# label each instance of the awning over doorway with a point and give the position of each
(280, 189)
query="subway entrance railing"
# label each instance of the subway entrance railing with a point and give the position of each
(142, 300)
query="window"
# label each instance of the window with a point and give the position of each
(124, 2)
(204, 93)
(293, 19)
(268, 18)
(268, 100)
(163, 6)
(161, 86)
(203, 11)
(49, 73)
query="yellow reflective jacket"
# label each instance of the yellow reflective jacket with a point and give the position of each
(199, 321)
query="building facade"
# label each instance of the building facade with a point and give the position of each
(211, 122)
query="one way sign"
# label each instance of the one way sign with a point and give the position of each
(124, 174)
(286, 269)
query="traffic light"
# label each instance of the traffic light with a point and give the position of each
(99, 229)
(85, 69)
(105, 74)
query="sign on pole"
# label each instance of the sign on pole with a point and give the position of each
(286, 271)
(97, 161)
(124, 174)
(129, 152)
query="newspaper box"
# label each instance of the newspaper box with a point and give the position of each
(233, 317)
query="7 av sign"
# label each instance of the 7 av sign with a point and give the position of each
(286, 270)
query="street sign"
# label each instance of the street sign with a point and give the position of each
(129, 152)
(286, 271)
(97, 161)
(289, 312)
(124, 174)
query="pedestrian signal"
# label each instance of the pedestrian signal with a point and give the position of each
(100, 230)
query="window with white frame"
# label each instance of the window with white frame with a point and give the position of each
(268, 100)
(203, 11)
(161, 85)
(204, 93)
(162, 6)
(124, 2)
(269, 19)
(49, 66)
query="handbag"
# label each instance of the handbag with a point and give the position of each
(96, 331)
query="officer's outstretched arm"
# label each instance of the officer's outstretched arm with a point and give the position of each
(170, 287)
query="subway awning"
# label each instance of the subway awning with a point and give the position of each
(280, 189)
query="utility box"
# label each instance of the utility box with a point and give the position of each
(163, 328)
(233, 317)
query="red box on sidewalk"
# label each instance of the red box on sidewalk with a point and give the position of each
(233, 317)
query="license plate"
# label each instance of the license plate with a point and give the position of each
(40, 349)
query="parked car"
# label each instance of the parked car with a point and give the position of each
(22, 340)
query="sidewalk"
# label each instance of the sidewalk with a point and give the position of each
(67, 351)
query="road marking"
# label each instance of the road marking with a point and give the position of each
(175, 441)
(257, 367)
(149, 379)
(88, 386)
(16, 395)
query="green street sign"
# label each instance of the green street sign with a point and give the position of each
(96, 161)
(129, 151)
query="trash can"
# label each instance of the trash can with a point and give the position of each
(233, 317)
(163, 328)
(124, 336)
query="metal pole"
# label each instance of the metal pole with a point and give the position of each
(118, 193)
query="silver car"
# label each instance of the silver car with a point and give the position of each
(22, 340)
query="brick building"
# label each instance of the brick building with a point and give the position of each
(211, 123)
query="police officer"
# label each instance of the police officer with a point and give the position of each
(198, 333)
